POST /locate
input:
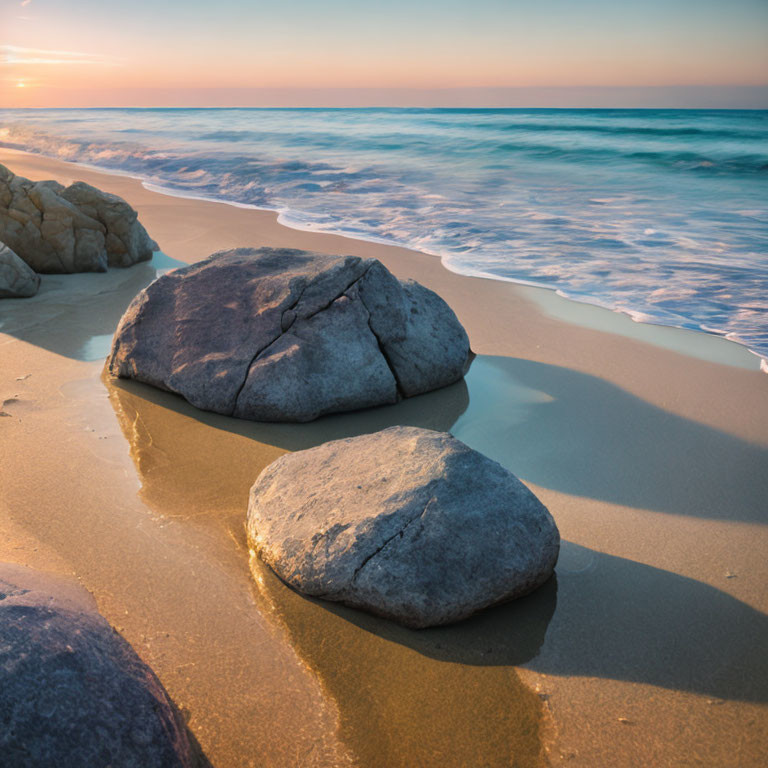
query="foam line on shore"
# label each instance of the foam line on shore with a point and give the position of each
(713, 345)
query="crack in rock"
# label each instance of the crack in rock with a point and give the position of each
(266, 347)
(293, 322)
(388, 541)
(398, 385)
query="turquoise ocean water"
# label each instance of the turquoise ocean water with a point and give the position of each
(662, 214)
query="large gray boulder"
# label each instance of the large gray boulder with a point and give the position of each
(287, 335)
(17, 280)
(69, 229)
(406, 523)
(73, 693)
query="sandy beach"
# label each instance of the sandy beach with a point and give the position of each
(649, 445)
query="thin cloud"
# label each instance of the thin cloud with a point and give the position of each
(16, 55)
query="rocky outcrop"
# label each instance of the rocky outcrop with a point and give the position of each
(73, 693)
(17, 280)
(69, 229)
(288, 335)
(406, 523)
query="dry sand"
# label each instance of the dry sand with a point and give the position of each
(648, 649)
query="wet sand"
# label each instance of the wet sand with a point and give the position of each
(647, 649)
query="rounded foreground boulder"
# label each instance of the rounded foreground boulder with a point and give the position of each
(73, 693)
(286, 335)
(406, 523)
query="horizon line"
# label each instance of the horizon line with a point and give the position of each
(729, 97)
(393, 106)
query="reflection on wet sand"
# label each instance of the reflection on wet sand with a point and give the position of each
(194, 461)
(189, 468)
(438, 697)
(433, 698)
(445, 696)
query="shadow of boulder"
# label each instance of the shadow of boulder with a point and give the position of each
(76, 315)
(623, 620)
(581, 435)
(601, 616)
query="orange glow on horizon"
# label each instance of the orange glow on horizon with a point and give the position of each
(482, 45)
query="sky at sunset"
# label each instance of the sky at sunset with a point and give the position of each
(350, 52)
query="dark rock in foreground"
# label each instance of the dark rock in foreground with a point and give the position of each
(17, 280)
(288, 335)
(69, 229)
(73, 693)
(406, 523)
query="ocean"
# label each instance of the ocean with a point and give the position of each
(661, 214)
